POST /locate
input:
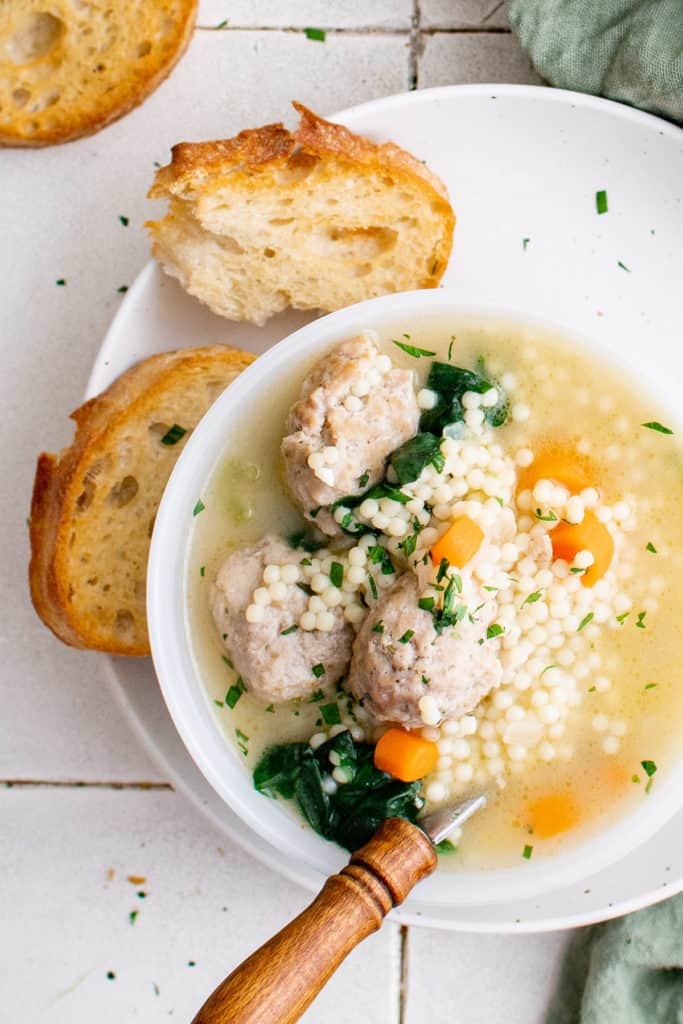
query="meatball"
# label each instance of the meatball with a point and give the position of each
(407, 672)
(355, 409)
(275, 668)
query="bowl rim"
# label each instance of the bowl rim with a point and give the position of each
(189, 705)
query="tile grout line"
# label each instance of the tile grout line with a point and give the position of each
(73, 784)
(370, 30)
(403, 939)
(415, 43)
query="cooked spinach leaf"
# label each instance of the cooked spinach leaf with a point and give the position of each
(350, 815)
(411, 458)
(450, 383)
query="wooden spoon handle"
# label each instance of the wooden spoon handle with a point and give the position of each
(279, 980)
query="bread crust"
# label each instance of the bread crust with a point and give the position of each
(71, 125)
(59, 482)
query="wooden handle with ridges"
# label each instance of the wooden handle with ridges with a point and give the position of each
(279, 980)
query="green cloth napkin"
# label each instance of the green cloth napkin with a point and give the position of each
(628, 971)
(627, 50)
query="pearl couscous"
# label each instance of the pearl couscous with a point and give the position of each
(556, 478)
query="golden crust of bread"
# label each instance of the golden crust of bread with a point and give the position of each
(69, 70)
(59, 519)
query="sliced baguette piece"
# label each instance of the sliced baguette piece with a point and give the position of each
(94, 504)
(68, 68)
(315, 219)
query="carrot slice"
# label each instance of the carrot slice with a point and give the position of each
(552, 814)
(589, 535)
(405, 755)
(460, 542)
(562, 465)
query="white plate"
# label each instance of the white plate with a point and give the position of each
(520, 163)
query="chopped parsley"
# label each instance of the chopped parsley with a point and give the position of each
(650, 686)
(409, 544)
(336, 574)
(413, 350)
(330, 713)
(584, 622)
(527, 851)
(550, 518)
(221, 24)
(525, 244)
(378, 627)
(426, 604)
(241, 736)
(445, 846)
(122, 289)
(380, 556)
(61, 281)
(659, 427)
(623, 266)
(271, 709)
(173, 434)
(290, 629)
(202, 570)
(548, 667)
(318, 34)
(444, 565)
(235, 692)
(640, 624)
(219, 703)
(601, 201)
(532, 598)
(373, 586)
(314, 512)
(575, 571)
(635, 778)
(650, 547)
(111, 975)
(124, 220)
(494, 630)
(305, 587)
(450, 348)
(133, 916)
(407, 636)
(316, 697)
(363, 480)
(226, 659)
(426, 681)
(318, 670)
(622, 618)
(649, 767)
(199, 507)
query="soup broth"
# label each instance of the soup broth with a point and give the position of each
(604, 704)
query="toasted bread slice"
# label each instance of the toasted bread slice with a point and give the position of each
(317, 219)
(69, 68)
(94, 505)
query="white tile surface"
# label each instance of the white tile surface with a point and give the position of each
(463, 14)
(451, 58)
(351, 14)
(484, 979)
(206, 902)
(63, 926)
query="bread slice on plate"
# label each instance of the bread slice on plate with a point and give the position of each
(315, 219)
(94, 504)
(68, 68)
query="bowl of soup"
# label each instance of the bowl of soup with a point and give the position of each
(421, 550)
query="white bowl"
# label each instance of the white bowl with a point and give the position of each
(185, 694)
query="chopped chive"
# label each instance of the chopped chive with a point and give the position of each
(318, 670)
(575, 571)
(199, 507)
(525, 244)
(271, 709)
(202, 570)
(240, 736)
(124, 220)
(601, 201)
(640, 624)
(650, 547)
(234, 693)
(315, 33)
(450, 348)
(493, 631)
(659, 427)
(443, 569)
(527, 851)
(330, 713)
(623, 266)
(457, 580)
(290, 629)
(378, 627)
(122, 289)
(426, 604)
(336, 574)
(174, 434)
(407, 636)
(548, 667)
(412, 350)
(532, 598)
(373, 585)
(584, 622)
(363, 480)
